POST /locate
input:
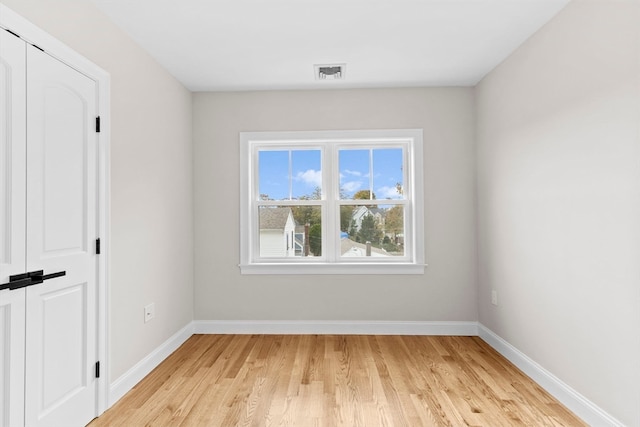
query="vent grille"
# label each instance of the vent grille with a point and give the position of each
(330, 72)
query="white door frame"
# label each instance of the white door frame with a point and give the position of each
(28, 32)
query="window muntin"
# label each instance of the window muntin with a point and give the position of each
(351, 198)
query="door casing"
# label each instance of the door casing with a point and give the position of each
(30, 33)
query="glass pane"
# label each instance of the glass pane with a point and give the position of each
(290, 231)
(371, 174)
(289, 174)
(307, 174)
(354, 174)
(388, 182)
(372, 231)
(273, 175)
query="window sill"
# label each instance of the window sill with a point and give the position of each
(316, 268)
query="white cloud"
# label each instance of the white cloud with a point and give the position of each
(353, 173)
(310, 177)
(387, 192)
(351, 186)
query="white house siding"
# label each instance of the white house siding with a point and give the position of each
(273, 243)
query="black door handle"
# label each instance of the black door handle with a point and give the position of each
(39, 276)
(17, 281)
(28, 279)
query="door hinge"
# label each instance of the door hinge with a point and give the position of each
(98, 124)
(98, 246)
(97, 369)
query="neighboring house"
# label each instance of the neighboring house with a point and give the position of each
(277, 233)
(362, 211)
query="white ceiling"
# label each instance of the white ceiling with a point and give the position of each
(213, 45)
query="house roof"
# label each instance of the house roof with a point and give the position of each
(352, 248)
(274, 218)
(361, 211)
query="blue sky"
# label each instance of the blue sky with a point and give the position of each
(299, 171)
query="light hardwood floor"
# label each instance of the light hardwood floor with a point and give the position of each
(330, 380)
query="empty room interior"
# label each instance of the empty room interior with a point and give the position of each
(242, 152)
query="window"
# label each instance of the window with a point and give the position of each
(334, 202)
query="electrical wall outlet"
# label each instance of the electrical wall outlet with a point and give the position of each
(494, 297)
(149, 312)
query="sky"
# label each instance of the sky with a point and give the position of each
(299, 172)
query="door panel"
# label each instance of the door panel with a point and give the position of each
(12, 227)
(64, 153)
(61, 340)
(60, 318)
(12, 336)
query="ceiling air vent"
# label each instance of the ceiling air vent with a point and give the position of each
(330, 72)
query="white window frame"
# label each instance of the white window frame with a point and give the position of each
(330, 142)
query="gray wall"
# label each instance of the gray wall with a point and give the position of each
(559, 201)
(151, 179)
(447, 290)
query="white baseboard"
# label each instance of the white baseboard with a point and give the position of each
(335, 327)
(573, 400)
(133, 376)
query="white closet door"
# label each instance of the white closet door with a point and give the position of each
(61, 339)
(12, 227)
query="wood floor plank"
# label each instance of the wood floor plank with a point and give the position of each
(336, 381)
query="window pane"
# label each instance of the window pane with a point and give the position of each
(382, 226)
(289, 174)
(273, 175)
(290, 231)
(354, 174)
(388, 182)
(371, 174)
(307, 174)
